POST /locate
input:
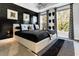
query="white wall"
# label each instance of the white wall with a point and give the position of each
(76, 20)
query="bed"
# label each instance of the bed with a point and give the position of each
(33, 35)
(34, 40)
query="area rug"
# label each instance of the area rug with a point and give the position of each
(55, 48)
(67, 49)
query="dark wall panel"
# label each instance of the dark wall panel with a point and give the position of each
(6, 25)
(21, 10)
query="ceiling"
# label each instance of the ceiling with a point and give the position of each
(39, 7)
(35, 6)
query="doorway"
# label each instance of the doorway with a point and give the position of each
(63, 17)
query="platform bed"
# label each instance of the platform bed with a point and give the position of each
(34, 44)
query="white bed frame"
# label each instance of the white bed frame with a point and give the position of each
(35, 47)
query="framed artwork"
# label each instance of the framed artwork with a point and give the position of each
(26, 18)
(11, 14)
(34, 19)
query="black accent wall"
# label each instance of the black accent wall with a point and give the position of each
(6, 25)
(21, 10)
(6, 29)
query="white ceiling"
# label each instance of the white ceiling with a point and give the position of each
(40, 7)
(30, 6)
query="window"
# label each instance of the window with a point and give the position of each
(43, 21)
(63, 17)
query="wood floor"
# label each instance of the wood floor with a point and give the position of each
(10, 47)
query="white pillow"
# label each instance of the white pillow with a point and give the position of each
(24, 26)
(37, 27)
